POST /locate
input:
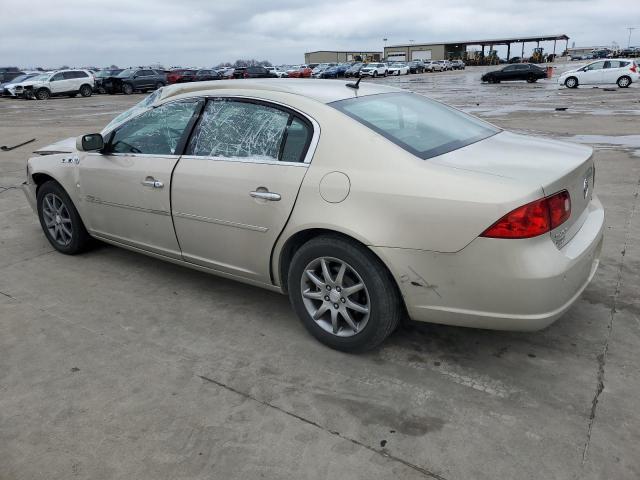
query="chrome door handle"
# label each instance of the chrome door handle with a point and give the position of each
(153, 183)
(272, 197)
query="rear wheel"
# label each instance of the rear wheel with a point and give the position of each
(375, 74)
(571, 82)
(343, 294)
(127, 88)
(60, 220)
(624, 82)
(531, 79)
(86, 90)
(43, 94)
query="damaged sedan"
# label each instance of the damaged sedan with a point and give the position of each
(365, 204)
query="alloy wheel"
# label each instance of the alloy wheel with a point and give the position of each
(623, 82)
(57, 219)
(335, 296)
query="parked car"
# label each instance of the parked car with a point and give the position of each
(226, 73)
(181, 75)
(321, 67)
(7, 89)
(519, 227)
(342, 69)
(522, 71)
(331, 72)
(417, 66)
(281, 72)
(134, 79)
(99, 77)
(457, 65)
(61, 82)
(398, 68)
(253, 72)
(374, 69)
(515, 60)
(353, 70)
(433, 66)
(300, 72)
(206, 75)
(622, 71)
(9, 73)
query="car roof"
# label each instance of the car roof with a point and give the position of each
(323, 91)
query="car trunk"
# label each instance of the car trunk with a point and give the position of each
(550, 164)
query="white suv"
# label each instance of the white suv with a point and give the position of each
(61, 82)
(623, 71)
(373, 69)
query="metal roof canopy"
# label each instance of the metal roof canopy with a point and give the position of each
(490, 41)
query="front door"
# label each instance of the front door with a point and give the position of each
(58, 84)
(127, 187)
(593, 73)
(237, 183)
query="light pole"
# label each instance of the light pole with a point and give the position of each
(384, 52)
(631, 29)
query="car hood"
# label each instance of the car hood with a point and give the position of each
(575, 70)
(29, 83)
(68, 145)
(534, 161)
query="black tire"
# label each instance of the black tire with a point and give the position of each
(43, 94)
(375, 74)
(86, 90)
(79, 239)
(571, 82)
(127, 88)
(73, 95)
(159, 85)
(531, 79)
(624, 82)
(385, 304)
(102, 90)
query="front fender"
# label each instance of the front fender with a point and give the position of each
(63, 168)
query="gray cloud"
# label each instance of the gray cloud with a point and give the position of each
(203, 33)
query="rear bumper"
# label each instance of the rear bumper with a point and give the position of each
(29, 190)
(499, 284)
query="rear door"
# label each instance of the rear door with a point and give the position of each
(612, 70)
(235, 187)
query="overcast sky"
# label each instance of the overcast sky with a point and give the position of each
(204, 33)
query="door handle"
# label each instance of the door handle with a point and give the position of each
(266, 195)
(151, 182)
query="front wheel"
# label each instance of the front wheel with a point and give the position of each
(60, 220)
(531, 79)
(624, 82)
(43, 94)
(571, 82)
(127, 88)
(343, 294)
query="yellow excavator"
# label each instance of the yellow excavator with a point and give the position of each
(537, 56)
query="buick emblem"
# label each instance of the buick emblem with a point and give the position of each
(585, 187)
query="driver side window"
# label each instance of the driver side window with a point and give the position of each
(595, 66)
(155, 132)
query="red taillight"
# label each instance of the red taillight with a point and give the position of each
(559, 208)
(533, 219)
(634, 68)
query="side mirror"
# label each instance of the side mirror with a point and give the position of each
(90, 143)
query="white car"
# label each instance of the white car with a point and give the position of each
(61, 82)
(433, 66)
(398, 68)
(374, 70)
(621, 71)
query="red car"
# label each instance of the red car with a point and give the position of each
(302, 72)
(181, 76)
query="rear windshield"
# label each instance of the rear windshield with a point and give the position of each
(421, 126)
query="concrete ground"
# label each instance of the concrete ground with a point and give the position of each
(114, 365)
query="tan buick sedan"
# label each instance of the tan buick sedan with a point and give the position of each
(363, 204)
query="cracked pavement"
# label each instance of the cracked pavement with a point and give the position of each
(115, 365)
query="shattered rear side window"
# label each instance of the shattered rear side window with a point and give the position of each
(232, 128)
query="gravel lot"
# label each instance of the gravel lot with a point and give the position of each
(114, 365)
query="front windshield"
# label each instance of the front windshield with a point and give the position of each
(126, 73)
(18, 79)
(133, 111)
(421, 126)
(39, 78)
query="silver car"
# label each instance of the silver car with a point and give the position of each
(363, 203)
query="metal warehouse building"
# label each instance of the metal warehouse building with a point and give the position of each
(326, 56)
(454, 50)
